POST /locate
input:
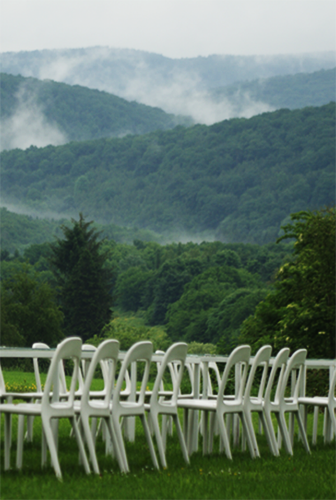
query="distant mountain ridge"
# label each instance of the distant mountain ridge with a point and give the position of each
(282, 91)
(71, 113)
(178, 86)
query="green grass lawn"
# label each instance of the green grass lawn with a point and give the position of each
(212, 477)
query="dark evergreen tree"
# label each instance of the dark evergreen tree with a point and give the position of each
(85, 281)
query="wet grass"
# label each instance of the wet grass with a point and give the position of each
(302, 476)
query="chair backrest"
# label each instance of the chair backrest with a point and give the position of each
(261, 359)
(175, 354)
(212, 367)
(107, 352)
(2, 383)
(68, 348)
(295, 363)
(331, 395)
(85, 363)
(141, 351)
(279, 366)
(241, 355)
(62, 381)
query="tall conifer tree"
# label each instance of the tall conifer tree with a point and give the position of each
(85, 281)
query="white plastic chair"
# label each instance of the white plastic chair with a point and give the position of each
(329, 404)
(99, 408)
(51, 408)
(281, 404)
(255, 403)
(165, 402)
(221, 406)
(141, 351)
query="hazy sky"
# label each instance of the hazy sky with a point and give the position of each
(174, 28)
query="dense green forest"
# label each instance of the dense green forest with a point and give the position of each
(81, 113)
(238, 179)
(163, 282)
(283, 91)
(213, 295)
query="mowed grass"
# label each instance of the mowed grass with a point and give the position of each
(212, 477)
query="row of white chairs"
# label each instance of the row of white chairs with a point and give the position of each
(243, 404)
(81, 405)
(110, 407)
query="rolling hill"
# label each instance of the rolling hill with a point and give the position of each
(238, 179)
(47, 112)
(282, 91)
(178, 86)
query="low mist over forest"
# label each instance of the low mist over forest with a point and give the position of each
(237, 180)
(179, 86)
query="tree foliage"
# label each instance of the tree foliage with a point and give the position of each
(300, 312)
(29, 311)
(84, 280)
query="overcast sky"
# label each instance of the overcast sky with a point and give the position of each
(174, 28)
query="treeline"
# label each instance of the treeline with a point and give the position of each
(238, 179)
(209, 294)
(186, 287)
(81, 113)
(283, 91)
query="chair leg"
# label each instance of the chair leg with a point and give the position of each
(80, 444)
(153, 418)
(262, 421)
(90, 443)
(284, 432)
(121, 463)
(43, 449)
(8, 417)
(271, 433)
(205, 431)
(181, 439)
(20, 439)
(315, 424)
(149, 441)
(213, 426)
(224, 435)
(302, 431)
(50, 439)
(248, 435)
(116, 426)
(249, 424)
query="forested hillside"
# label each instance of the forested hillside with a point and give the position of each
(238, 179)
(78, 113)
(283, 91)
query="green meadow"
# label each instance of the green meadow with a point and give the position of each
(302, 476)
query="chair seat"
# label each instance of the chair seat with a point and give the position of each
(204, 404)
(21, 408)
(316, 400)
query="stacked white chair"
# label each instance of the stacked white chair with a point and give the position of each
(255, 403)
(141, 351)
(329, 405)
(221, 406)
(51, 408)
(165, 403)
(281, 405)
(88, 408)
